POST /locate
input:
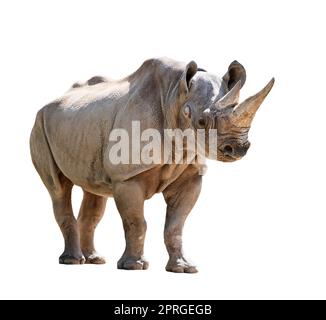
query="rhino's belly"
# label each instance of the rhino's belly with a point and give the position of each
(97, 187)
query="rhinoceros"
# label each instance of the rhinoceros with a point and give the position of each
(70, 145)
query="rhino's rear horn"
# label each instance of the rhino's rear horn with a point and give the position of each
(231, 98)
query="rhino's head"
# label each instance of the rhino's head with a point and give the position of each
(213, 103)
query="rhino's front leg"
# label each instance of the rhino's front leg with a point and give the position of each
(180, 197)
(129, 198)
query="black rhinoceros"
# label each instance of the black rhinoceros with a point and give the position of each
(71, 145)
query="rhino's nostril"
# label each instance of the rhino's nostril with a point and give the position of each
(201, 122)
(228, 150)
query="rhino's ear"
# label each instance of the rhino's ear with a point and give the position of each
(187, 75)
(235, 73)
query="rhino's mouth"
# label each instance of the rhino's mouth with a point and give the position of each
(230, 159)
(227, 158)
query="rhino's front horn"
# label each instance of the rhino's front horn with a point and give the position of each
(231, 98)
(244, 113)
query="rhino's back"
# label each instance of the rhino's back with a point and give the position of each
(77, 127)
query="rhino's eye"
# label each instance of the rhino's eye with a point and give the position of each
(186, 111)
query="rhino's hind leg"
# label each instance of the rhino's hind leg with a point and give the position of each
(68, 224)
(129, 199)
(180, 197)
(90, 214)
(59, 188)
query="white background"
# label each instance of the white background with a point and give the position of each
(259, 227)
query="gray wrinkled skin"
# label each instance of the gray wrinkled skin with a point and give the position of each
(70, 146)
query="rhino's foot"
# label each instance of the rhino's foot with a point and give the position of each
(70, 259)
(180, 265)
(131, 263)
(95, 258)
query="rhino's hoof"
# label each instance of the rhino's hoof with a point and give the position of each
(69, 259)
(95, 258)
(132, 264)
(180, 266)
